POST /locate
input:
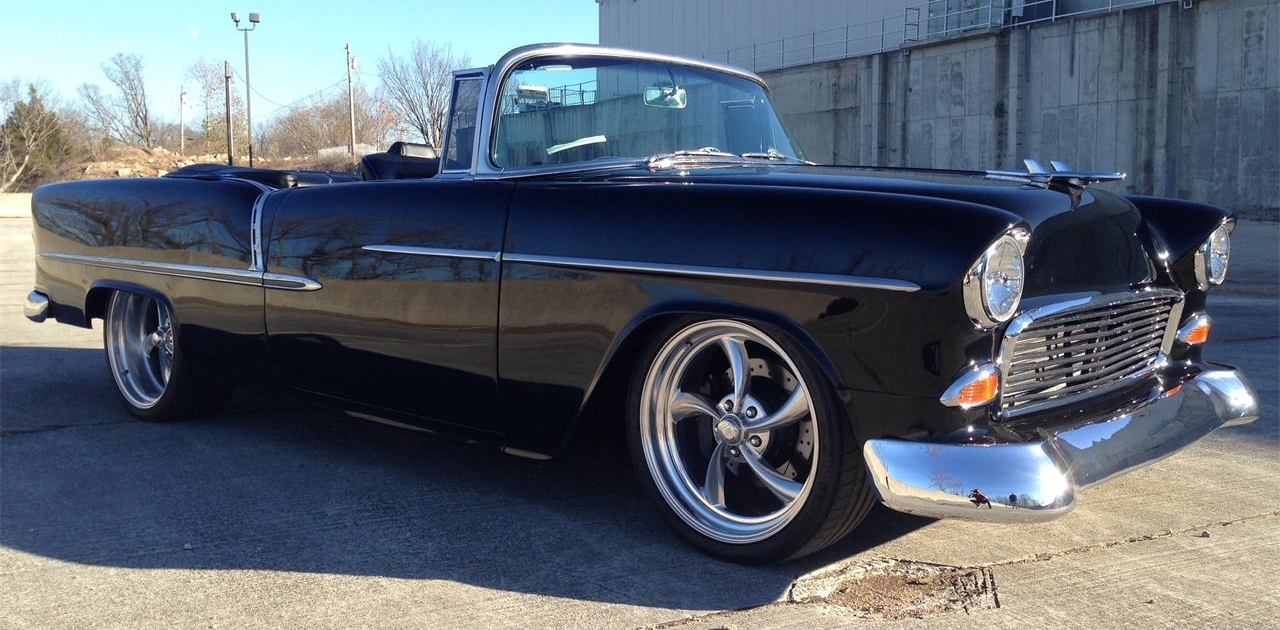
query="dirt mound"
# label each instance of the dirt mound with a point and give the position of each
(127, 161)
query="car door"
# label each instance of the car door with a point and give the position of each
(405, 316)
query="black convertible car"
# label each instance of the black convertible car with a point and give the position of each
(612, 236)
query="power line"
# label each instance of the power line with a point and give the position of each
(295, 104)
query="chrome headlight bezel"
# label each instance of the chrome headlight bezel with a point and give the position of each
(1213, 256)
(993, 285)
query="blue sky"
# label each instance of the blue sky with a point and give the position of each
(295, 51)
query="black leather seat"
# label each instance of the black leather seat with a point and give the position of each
(403, 160)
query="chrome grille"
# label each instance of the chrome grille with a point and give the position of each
(1055, 355)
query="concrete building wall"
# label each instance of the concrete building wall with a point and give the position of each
(1186, 101)
(697, 28)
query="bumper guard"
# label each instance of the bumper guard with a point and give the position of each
(1037, 481)
(36, 308)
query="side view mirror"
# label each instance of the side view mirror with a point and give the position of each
(669, 96)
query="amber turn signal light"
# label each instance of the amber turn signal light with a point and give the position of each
(1196, 330)
(977, 386)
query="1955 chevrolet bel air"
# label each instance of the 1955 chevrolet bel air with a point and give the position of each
(608, 235)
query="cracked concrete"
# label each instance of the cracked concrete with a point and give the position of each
(55, 427)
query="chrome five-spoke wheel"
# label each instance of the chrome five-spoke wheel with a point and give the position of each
(140, 348)
(735, 431)
(145, 358)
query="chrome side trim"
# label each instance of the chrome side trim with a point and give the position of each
(1171, 331)
(255, 222)
(286, 282)
(196, 272)
(1038, 481)
(519, 452)
(255, 234)
(470, 254)
(387, 421)
(36, 308)
(859, 282)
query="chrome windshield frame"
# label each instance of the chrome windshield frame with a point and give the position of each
(483, 167)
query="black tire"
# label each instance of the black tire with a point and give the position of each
(792, 479)
(146, 362)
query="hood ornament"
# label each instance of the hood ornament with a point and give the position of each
(1059, 173)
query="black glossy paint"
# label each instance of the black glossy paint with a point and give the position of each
(515, 350)
(408, 333)
(161, 219)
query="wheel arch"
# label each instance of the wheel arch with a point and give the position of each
(99, 295)
(609, 387)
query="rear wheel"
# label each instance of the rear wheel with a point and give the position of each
(739, 440)
(146, 362)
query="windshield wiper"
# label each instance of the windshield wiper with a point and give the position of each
(713, 155)
(773, 155)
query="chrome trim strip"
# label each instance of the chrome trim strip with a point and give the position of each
(1171, 330)
(255, 223)
(36, 308)
(255, 234)
(286, 282)
(195, 272)
(859, 282)
(1045, 475)
(519, 452)
(470, 254)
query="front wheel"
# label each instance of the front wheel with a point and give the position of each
(146, 361)
(738, 438)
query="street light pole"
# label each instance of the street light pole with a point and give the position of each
(254, 19)
(351, 105)
(226, 92)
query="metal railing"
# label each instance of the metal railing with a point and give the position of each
(919, 23)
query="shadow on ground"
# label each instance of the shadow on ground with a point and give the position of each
(277, 486)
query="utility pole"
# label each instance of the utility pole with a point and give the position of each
(182, 122)
(351, 104)
(226, 78)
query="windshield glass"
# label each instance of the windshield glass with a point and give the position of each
(562, 111)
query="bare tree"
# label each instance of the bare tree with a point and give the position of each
(417, 86)
(33, 147)
(211, 96)
(323, 123)
(124, 116)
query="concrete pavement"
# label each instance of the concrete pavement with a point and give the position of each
(274, 514)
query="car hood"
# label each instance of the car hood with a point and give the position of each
(1083, 239)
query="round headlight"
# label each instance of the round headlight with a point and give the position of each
(1217, 252)
(993, 286)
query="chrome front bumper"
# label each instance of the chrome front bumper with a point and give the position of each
(36, 307)
(1037, 481)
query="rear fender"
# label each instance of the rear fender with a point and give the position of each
(95, 303)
